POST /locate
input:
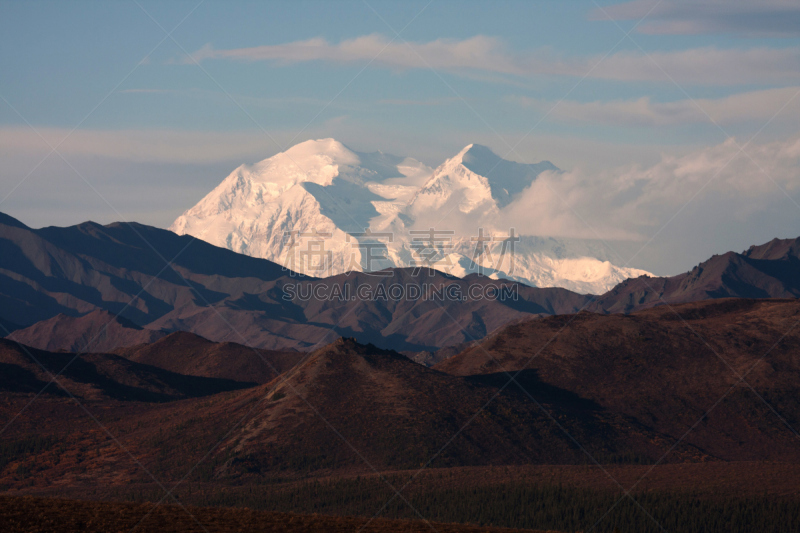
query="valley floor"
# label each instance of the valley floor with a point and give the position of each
(34, 515)
(694, 497)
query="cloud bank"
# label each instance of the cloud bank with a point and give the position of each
(771, 18)
(758, 106)
(708, 65)
(635, 201)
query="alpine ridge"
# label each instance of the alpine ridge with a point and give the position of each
(322, 209)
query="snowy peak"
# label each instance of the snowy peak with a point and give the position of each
(273, 209)
(452, 186)
(315, 186)
(506, 178)
(317, 161)
(321, 162)
(476, 181)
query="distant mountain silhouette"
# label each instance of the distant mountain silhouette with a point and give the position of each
(64, 279)
(771, 270)
(86, 267)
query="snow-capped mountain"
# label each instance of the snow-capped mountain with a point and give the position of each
(322, 209)
(476, 181)
(314, 188)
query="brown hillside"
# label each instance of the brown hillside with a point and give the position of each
(396, 413)
(358, 408)
(98, 377)
(665, 368)
(190, 354)
(98, 331)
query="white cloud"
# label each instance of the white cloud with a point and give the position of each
(174, 146)
(708, 65)
(774, 18)
(479, 52)
(634, 201)
(743, 107)
(489, 55)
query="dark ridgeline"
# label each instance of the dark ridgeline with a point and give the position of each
(99, 377)
(771, 270)
(55, 275)
(186, 353)
(81, 268)
(58, 281)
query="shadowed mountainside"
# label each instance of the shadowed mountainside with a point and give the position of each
(190, 354)
(397, 413)
(99, 377)
(666, 367)
(346, 406)
(81, 268)
(624, 389)
(55, 284)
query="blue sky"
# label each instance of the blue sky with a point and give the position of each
(160, 122)
(65, 57)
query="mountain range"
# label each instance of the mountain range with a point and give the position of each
(63, 287)
(97, 288)
(374, 211)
